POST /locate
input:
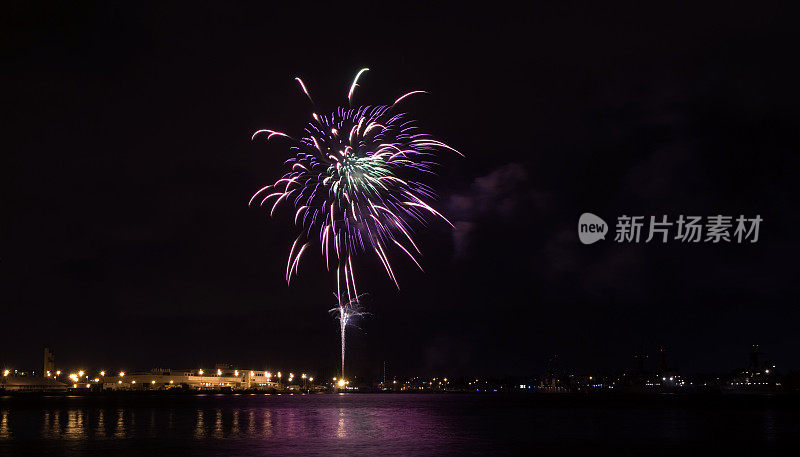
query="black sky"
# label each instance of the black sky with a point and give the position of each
(127, 165)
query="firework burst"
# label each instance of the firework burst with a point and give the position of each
(355, 182)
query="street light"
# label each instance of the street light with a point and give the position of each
(121, 374)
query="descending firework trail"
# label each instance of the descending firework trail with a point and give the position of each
(354, 181)
(346, 313)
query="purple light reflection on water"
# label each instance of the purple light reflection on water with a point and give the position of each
(383, 425)
(212, 425)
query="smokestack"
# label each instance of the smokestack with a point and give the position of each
(49, 362)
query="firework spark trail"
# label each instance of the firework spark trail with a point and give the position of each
(355, 181)
(346, 313)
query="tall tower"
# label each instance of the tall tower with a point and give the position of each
(754, 358)
(49, 362)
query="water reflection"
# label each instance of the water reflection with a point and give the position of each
(235, 425)
(199, 429)
(341, 432)
(254, 418)
(119, 430)
(267, 424)
(336, 425)
(51, 427)
(5, 432)
(152, 425)
(251, 423)
(75, 429)
(218, 425)
(100, 430)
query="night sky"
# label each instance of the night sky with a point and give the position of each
(126, 240)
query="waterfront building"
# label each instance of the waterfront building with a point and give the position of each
(213, 379)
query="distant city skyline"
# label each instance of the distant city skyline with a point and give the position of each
(639, 362)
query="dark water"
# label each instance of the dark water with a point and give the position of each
(409, 425)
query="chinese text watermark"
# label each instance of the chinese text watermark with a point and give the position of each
(661, 229)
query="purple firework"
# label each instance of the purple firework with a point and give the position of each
(355, 182)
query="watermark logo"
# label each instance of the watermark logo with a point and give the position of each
(684, 229)
(591, 228)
